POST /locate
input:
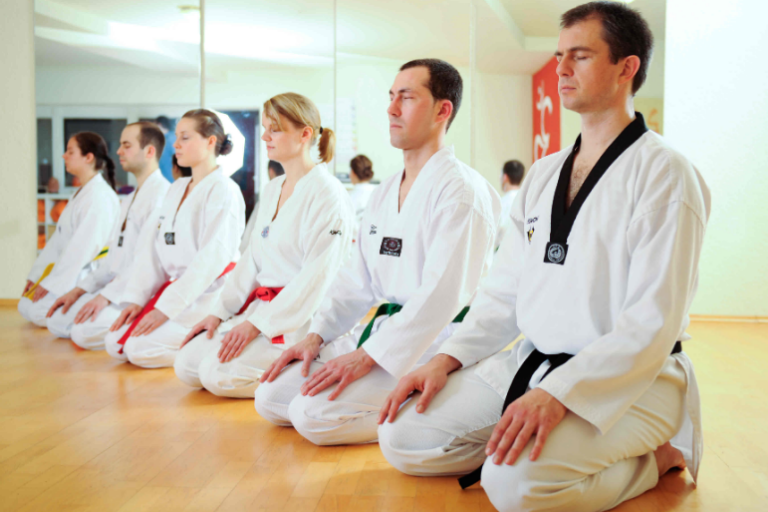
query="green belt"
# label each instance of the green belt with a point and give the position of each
(389, 310)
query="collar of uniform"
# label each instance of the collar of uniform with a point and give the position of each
(317, 171)
(92, 184)
(433, 164)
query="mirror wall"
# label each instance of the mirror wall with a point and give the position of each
(101, 64)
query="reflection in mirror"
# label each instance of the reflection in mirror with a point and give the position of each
(373, 40)
(99, 65)
(255, 50)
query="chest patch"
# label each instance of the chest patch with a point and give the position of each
(170, 239)
(391, 247)
(120, 241)
(530, 234)
(265, 232)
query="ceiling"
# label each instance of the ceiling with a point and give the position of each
(512, 36)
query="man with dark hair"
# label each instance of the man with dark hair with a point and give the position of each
(82, 313)
(511, 177)
(425, 240)
(598, 270)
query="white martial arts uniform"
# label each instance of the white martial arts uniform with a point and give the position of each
(429, 258)
(81, 233)
(135, 209)
(300, 251)
(191, 246)
(360, 196)
(249, 227)
(619, 302)
(506, 214)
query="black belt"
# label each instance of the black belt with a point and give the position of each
(520, 385)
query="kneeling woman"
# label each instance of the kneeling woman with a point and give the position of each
(302, 235)
(182, 264)
(82, 230)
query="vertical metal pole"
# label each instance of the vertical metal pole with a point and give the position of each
(202, 53)
(472, 81)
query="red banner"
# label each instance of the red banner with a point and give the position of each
(546, 111)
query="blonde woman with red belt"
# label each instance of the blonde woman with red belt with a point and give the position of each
(303, 232)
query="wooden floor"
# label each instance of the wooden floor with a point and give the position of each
(81, 432)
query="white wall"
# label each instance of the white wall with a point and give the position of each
(18, 207)
(716, 109)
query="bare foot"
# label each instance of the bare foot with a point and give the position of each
(668, 457)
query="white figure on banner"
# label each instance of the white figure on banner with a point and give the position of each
(542, 139)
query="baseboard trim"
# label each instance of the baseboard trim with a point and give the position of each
(729, 318)
(9, 303)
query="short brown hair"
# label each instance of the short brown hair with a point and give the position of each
(624, 30)
(150, 133)
(444, 82)
(208, 123)
(514, 169)
(362, 167)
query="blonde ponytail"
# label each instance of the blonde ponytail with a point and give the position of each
(301, 111)
(327, 145)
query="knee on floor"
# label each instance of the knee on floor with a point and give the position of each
(314, 419)
(267, 400)
(413, 449)
(526, 487)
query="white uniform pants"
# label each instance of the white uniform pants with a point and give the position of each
(91, 334)
(352, 417)
(197, 365)
(578, 470)
(157, 349)
(61, 324)
(35, 311)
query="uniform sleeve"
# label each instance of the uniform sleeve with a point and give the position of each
(348, 299)
(97, 279)
(222, 230)
(491, 323)
(137, 283)
(238, 286)
(326, 242)
(461, 241)
(94, 225)
(605, 378)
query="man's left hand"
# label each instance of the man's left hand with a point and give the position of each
(344, 369)
(535, 413)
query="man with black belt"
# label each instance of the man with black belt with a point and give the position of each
(598, 270)
(426, 239)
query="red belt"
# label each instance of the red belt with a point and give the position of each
(265, 294)
(151, 305)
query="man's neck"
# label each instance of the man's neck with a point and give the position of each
(508, 188)
(143, 174)
(600, 129)
(416, 158)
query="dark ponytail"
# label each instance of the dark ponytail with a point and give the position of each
(109, 165)
(93, 143)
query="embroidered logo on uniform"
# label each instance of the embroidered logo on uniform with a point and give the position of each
(373, 230)
(532, 220)
(391, 247)
(556, 253)
(120, 241)
(265, 232)
(170, 239)
(335, 232)
(160, 223)
(530, 233)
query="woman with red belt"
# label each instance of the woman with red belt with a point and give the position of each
(303, 233)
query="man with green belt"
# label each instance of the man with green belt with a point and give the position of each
(425, 241)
